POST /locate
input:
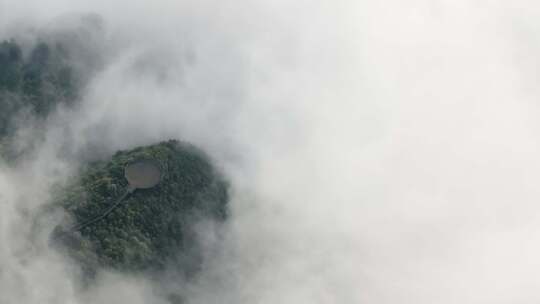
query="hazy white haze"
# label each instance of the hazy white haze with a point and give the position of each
(379, 152)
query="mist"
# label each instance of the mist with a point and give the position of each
(378, 151)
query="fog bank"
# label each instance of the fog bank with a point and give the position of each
(379, 152)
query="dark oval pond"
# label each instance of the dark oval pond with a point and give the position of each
(143, 174)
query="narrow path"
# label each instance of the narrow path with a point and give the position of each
(97, 218)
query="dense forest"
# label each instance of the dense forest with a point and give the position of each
(34, 84)
(153, 228)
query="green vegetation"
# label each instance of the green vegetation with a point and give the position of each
(35, 84)
(32, 86)
(152, 227)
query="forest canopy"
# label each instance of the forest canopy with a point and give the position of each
(35, 84)
(152, 227)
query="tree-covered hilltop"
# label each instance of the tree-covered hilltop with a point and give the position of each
(152, 227)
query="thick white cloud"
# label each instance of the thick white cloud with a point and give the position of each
(380, 151)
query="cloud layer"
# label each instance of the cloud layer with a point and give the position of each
(379, 151)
